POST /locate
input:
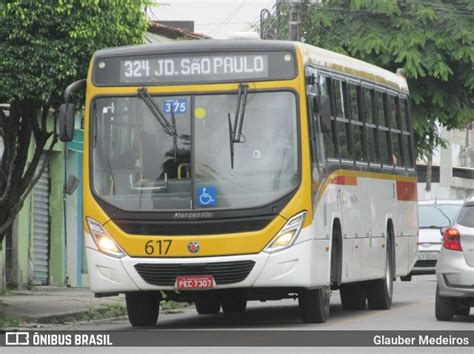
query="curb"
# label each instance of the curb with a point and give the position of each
(95, 313)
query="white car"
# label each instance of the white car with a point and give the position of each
(433, 215)
(455, 268)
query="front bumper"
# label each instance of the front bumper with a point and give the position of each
(292, 267)
(454, 276)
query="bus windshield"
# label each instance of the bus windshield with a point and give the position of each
(138, 165)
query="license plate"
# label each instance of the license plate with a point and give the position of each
(427, 255)
(194, 282)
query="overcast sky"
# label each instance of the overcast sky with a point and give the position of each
(216, 18)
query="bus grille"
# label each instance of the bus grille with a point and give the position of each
(194, 227)
(223, 272)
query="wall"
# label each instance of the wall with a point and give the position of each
(56, 212)
(23, 267)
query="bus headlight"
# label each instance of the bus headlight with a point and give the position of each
(288, 234)
(102, 239)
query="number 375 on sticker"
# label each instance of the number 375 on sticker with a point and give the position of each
(177, 106)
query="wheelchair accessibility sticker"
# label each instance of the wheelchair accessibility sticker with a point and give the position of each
(206, 196)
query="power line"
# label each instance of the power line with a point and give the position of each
(257, 19)
(228, 18)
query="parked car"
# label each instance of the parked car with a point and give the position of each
(433, 215)
(455, 267)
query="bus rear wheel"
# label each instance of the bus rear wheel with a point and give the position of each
(314, 305)
(142, 308)
(353, 296)
(207, 305)
(380, 291)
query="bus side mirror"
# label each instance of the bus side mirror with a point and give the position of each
(66, 122)
(322, 108)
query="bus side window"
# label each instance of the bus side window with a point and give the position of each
(383, 130)
(407, 141)
(328, 137)
(357, 125)
(342, 126)
(312, 121)
(370, 110)
(396, 157)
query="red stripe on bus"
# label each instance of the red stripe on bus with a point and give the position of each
(406, 191)
(345, 180)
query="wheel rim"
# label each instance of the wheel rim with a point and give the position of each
(388, 275)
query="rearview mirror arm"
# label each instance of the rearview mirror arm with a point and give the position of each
(74, 87)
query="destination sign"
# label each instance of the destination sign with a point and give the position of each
(194, 68)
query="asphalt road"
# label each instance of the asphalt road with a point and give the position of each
(412, 309)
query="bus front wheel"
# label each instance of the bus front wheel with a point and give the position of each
(236, 304)
(142, 308)
(314, 305)
(207, 305)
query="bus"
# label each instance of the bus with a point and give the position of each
(222, 171)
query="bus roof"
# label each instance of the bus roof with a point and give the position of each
(335, 62)
(197, 46)
(318, 57)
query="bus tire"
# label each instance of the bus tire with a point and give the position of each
(461, 311)
(336, 255)
(207, 305)
(380, 291)
(314, 305)
(444, 307)
(142, 308)
(236, 304)
(353, 296)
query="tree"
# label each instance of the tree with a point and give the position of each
(432, 40)
(45, 46)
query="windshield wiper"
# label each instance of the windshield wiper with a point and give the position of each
(175, 134)
(169, 129)
(235, 130)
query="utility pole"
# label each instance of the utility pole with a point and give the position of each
(295, 12)
(294, 16)
(265, 14)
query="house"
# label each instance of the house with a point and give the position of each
(453, 167)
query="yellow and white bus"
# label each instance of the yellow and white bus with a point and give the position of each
(222, 171)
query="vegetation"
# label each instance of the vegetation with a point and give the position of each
(101, 313)
(432, 40)
(45, 46)
(6, 321)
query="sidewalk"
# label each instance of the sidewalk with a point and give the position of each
(47, 304)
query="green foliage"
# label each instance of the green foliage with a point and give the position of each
(46, 45)
(432, 40)
(6, 321)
